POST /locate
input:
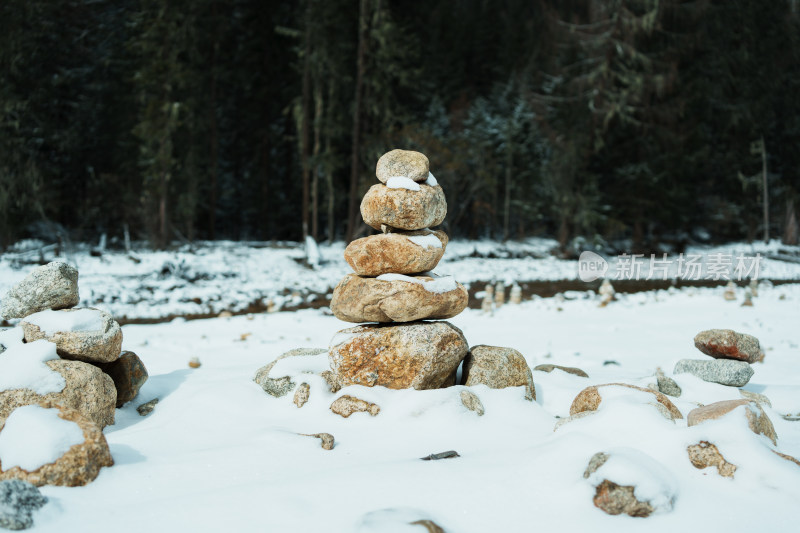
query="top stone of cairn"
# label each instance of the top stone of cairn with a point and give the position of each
(402, 163)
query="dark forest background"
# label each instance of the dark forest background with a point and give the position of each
(635, 121)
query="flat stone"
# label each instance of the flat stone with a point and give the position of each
(666, 385)
(568, 369)
(80, 465)
(357, 299)
(405, 163)
(722, 371)
(18, 501)
(51, 286)
(401, 252)
(98, 346)
(471, 401)
(147, 407)
(589, 399)
(728, 344)
(88, 390)
(498, 368)
(704, 454)
(346, 405)
(402, 208)
(128, 373)
(757, 419)
(281, 386)
(326, 439)
(421, 355)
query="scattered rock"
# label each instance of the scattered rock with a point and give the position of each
(333, 382)
(450, 454)
(128, 373)
(787, 457)
(757, 419)
(571, 418)
(589, 399)
(722, 371)
(755, 397)
(194, 362)
(618, 499)
(326, 439)
(88, 390)
(79, 466)
(429, 525)
(51, 286)
(147, 407)
(18, 500)
(357, 299)
(568, 369)
(611, 362)
(471, 401)
(281, 386)
(347, 405)
(403, 208)
(705, 454)
(422, 355)
(667, 385)
(301, 395)
(400, 252)
(498, 368)
(728, 344)
(97, 346)
(406, 163)
(396, 519)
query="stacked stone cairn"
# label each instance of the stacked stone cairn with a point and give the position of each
(733, 354)
(60, 362)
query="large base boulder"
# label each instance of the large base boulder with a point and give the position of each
(498, 368)
(402, 252)
(422, 355)
(79, 465)
(51, 286)
(402, 208)
(89, 335)
(397, 298)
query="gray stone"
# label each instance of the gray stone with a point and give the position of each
(667, 385)
(18, 500)
(281, 386)
(568, 369)
(722, 371)
(51, 286)
(147, 407)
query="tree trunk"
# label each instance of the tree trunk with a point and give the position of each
(507, 199)
(213, 138)
(352, 203)
(765, 190)
(328, 165)
(318, 110)
(163, 238)
(305, 126)
(791, 228)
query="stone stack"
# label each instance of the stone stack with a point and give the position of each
(393, 286)
(733, 354)
(63, 358)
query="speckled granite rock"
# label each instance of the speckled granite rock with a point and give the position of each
(51, 286)
(98, 346)
(498, 368)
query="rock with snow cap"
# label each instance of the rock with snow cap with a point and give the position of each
(88, 335)
(51, 286)
(497, 368)
(404, 208)
(402, 163)
(401, 252)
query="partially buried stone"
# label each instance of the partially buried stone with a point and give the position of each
(421, 355)
(704, 454)
(728, 344)
(471, 401)
(51, 286)
(568, 369)
(18, 500)
(326, 439)
(280, 386)
(667, 385)
(722, 371)
(406, 163)
(590, 398)
(128, 373)
(346, 405)
(88, 335)
(404, 208)
(301, 394)
(397, 298)
(498, 368)
(400, 252)
(757, 420)
(147, 407)
(450, 454)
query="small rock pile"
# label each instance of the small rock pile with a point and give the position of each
(732, 353)
(69, 362)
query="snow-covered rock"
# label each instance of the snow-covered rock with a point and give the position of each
(89, 335)
(281, 385)
(498, 368)
(407, 163)
(51, 286)
(399, 252)
(590, 399)
(402, 208)
(752, 412)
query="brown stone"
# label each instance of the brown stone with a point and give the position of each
(618, 499)
(787, 457)
(100, 346)
(705, 454)
(589, 399)
(128, 373)
(402, 208)
(88, 390)
(357, 299)
(498, 368)
(347, 405)
(421, 355)
(326, 439)
(757, 419)
(395, 253)
(568, 369)
(79, 466)
(728, 344)
(406, 163)
(282, 385)
(301, 394)
(471, 401)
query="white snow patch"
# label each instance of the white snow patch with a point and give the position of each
(431, 180)
(438, 285)
(426, 241)
(312, 252)
(402, 182)
(11, 337)
(341, 338)
(34, 436)
(291, 366)
(22, 367)
(51, 322)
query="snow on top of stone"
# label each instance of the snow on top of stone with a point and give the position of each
(341, 337)
(51, 322)
(22, 367)
(11, 337)
(292, 366)
(437, 285)
(402, 182)
(34, 436)
(426, 241)
(431, 180)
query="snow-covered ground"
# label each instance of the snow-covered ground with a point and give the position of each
(218, 454)
(208, 278)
